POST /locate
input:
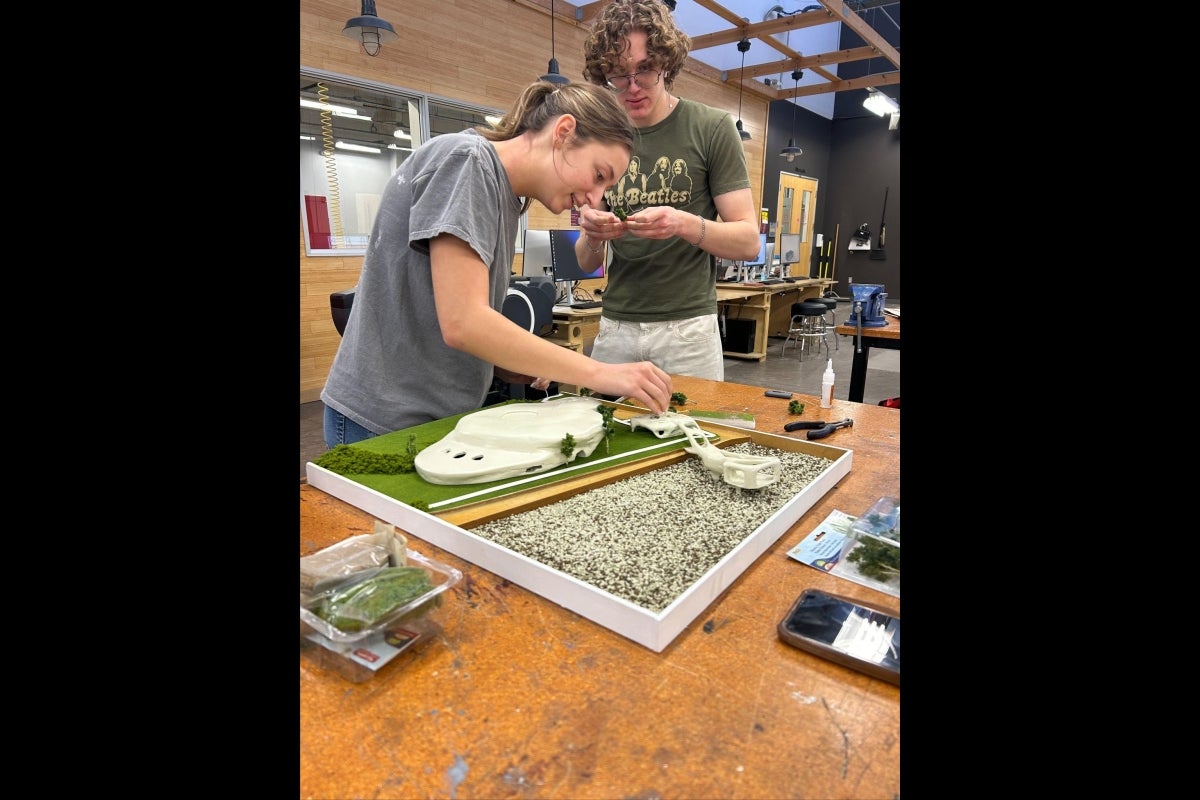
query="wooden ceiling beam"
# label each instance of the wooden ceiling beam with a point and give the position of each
(859, 25)
(844, 85)
(806, 62)
(760, 30)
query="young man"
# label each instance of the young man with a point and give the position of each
(661, 300)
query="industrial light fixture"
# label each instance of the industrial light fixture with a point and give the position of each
(369, 29)
(340, 145)
(552, 73)
(879, 103)
(790, 152)
(743, 46)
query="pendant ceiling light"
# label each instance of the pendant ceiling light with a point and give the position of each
(743, 46)
(370, 29)
(552, 73)
(790, 152)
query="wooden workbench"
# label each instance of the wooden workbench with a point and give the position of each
(520, 698)
(577, 329)
(768, 305)
(575, 326)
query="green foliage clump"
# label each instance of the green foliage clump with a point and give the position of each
(568, 445)
(876, 559)
(423, 505)
(410, 446)
(364, 603)
(678, 399)
(585, 392)
(610, 428)
(621, 213)
(346, 460)
(795, 407)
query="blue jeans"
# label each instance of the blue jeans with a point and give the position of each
(341, 430)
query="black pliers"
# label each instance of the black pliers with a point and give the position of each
(822, 427)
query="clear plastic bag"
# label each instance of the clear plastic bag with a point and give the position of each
(351, 589)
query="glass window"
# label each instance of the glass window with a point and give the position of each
(353, 136)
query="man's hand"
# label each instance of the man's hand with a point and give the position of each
(657, 222)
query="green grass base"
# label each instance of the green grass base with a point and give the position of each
(414, 490)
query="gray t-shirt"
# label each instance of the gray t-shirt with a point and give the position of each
(392, 369)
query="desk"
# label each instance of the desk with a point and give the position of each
(521, 698)
(575, 328)
(887, 337)
(785, 295)
(769, 306)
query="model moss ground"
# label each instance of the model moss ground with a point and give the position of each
(409, 487)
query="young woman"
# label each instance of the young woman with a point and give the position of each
(661, 300)
(427, 331)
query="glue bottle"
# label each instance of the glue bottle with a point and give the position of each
(827, 386)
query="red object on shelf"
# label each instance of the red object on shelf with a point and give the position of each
(316, 211)
(891, 402)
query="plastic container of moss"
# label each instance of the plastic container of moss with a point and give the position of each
(347, 609)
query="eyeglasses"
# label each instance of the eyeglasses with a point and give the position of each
(644, 78)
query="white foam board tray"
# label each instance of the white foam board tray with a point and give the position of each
(654, 630)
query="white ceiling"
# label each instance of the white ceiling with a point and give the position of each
(700, 18)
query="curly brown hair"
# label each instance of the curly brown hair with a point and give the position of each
(666, 46)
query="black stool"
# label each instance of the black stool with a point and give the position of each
(831, 306)
(807, 325)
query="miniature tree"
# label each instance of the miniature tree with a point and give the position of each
(610, 428)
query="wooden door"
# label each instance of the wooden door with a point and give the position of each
(797, 213)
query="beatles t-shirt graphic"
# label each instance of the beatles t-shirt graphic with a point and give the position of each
(668, 184)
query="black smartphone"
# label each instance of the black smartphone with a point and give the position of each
(850, 632)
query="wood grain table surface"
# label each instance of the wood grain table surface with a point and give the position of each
(520, 698)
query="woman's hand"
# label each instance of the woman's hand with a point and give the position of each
(641, 381)
(600, 225)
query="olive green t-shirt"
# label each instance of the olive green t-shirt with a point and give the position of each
(683, 161)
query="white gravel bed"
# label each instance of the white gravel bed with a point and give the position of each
(649, 537)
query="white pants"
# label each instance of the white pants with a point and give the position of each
(678, 347)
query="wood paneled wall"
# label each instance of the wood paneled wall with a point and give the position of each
(481, 52)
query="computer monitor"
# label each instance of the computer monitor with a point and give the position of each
(761, 258)
(562, 258)
(536, 261)
(789, 248)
